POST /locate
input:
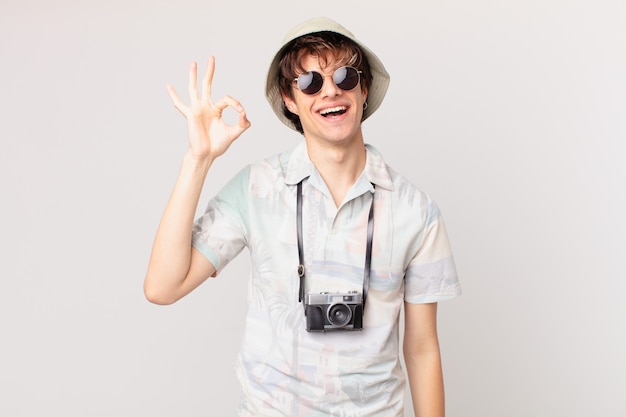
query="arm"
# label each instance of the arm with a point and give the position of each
(175, 268)
(423, 359)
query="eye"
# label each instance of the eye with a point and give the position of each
(310, 82)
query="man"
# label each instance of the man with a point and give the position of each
(327, 220)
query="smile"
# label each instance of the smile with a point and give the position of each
(334, 111)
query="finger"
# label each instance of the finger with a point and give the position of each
(193, 81)
(208, 79)
(242, 123)
(175, 99)
(239, 128)
(223, 103)
(227, 101)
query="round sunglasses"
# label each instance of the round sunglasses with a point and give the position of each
(345, 78)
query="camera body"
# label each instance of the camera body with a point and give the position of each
(333, 311)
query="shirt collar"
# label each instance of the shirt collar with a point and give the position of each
(299, 167)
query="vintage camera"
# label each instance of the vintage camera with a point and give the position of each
(334, 311)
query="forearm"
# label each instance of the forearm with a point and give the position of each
(423, 359)
(426, 383)
(175, 268)
(171, 251)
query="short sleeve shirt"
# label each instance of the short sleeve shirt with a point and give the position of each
(283, 369)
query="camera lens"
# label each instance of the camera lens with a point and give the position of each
(339, 315)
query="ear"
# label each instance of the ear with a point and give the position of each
(290, 104)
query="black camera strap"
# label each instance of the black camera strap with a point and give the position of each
(368, 250)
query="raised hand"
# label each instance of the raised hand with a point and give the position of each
(209, 134)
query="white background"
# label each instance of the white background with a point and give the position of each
(511, 114)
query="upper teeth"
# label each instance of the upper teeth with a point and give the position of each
(333, 109)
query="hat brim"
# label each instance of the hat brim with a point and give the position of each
(380, 77)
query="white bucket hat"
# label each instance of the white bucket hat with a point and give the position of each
(380, 77)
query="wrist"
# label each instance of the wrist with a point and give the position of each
(201, 163)
(194, 169)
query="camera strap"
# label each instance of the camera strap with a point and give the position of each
(368, 250)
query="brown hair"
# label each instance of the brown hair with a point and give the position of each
(322, 45)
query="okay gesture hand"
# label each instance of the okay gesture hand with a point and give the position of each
(209, 135)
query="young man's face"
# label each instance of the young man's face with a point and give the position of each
(333, 113)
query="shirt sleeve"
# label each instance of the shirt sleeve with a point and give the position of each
(431, 275)
(221, 233)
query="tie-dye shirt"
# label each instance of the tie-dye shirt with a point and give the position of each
(283, 369)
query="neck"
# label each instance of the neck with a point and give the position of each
(340, 165)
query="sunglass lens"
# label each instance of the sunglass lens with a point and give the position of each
(310, 82)
(346, 78)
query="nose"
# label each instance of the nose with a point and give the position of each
(329, 88)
